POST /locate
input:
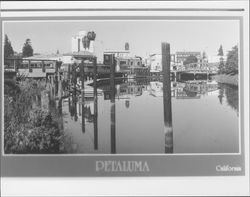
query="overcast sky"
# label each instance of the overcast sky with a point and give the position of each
(144, 37)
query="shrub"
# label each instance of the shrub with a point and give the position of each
(28, 130)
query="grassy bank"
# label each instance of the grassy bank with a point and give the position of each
(227, 79)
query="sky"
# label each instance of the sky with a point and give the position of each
(144, 37)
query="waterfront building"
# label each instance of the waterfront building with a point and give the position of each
(124, 60)
(216, 58)
(181, 56)
(156, 62)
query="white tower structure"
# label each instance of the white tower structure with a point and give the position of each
(77, 43)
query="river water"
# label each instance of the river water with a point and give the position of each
(129, 118)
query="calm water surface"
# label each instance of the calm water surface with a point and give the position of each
(129, 118)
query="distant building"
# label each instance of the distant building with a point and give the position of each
(182, 55)
(118, 53)
(216, 58)
(84, 41)
(127, 46)
(124, 60)
(156, 62)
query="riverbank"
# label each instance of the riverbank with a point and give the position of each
(227, 79)
(29, 125)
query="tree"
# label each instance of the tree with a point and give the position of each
(57, 52)
(190, 59)
(27, 48)
(220, 51)
(221, 68)
(8, 50)
(232, 61)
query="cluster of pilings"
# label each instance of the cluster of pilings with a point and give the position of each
(72, 88)
(72, 78)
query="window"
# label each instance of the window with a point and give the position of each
(122, 62)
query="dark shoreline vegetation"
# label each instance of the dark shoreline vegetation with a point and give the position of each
(29, 128)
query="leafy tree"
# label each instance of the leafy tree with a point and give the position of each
(232, 61)
(221, 68)
(220, 51)
(27, 48)
(8, 50)
(190, 59)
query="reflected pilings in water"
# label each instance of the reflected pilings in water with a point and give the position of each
(60, 116)
(69, 103)
(56, 78)
(82, 95)
(74, 98)
(168, 127)
(95, 106)
(74, 105)
(112, 107)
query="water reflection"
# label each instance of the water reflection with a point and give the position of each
(118, 116)
(229, 93)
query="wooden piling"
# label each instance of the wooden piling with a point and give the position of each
(112, 107)
(168, 128)
(74, 79)
(60, 88)
(43, 66)
(29, 66)
(69, 78)
(82, 94)
(95, 106)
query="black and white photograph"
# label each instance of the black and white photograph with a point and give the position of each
(124, 98)
(121, 87)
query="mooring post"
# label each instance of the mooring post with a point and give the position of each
(69, 81)
(112, 107)
(56, 83)
(59, 86)
(82, 94)
(74, 78)
(52, 86)
(29, 66)
(95, 105)
(43, 66)
(168, 128)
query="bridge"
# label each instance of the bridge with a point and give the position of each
(195, 69)
(204, 67)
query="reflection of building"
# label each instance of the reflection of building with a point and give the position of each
(129, 89)
(156, 88)
(200, 88)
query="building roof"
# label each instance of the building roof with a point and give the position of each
(116, 51)
(44, 57)
(81, 54)
(187, 52)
